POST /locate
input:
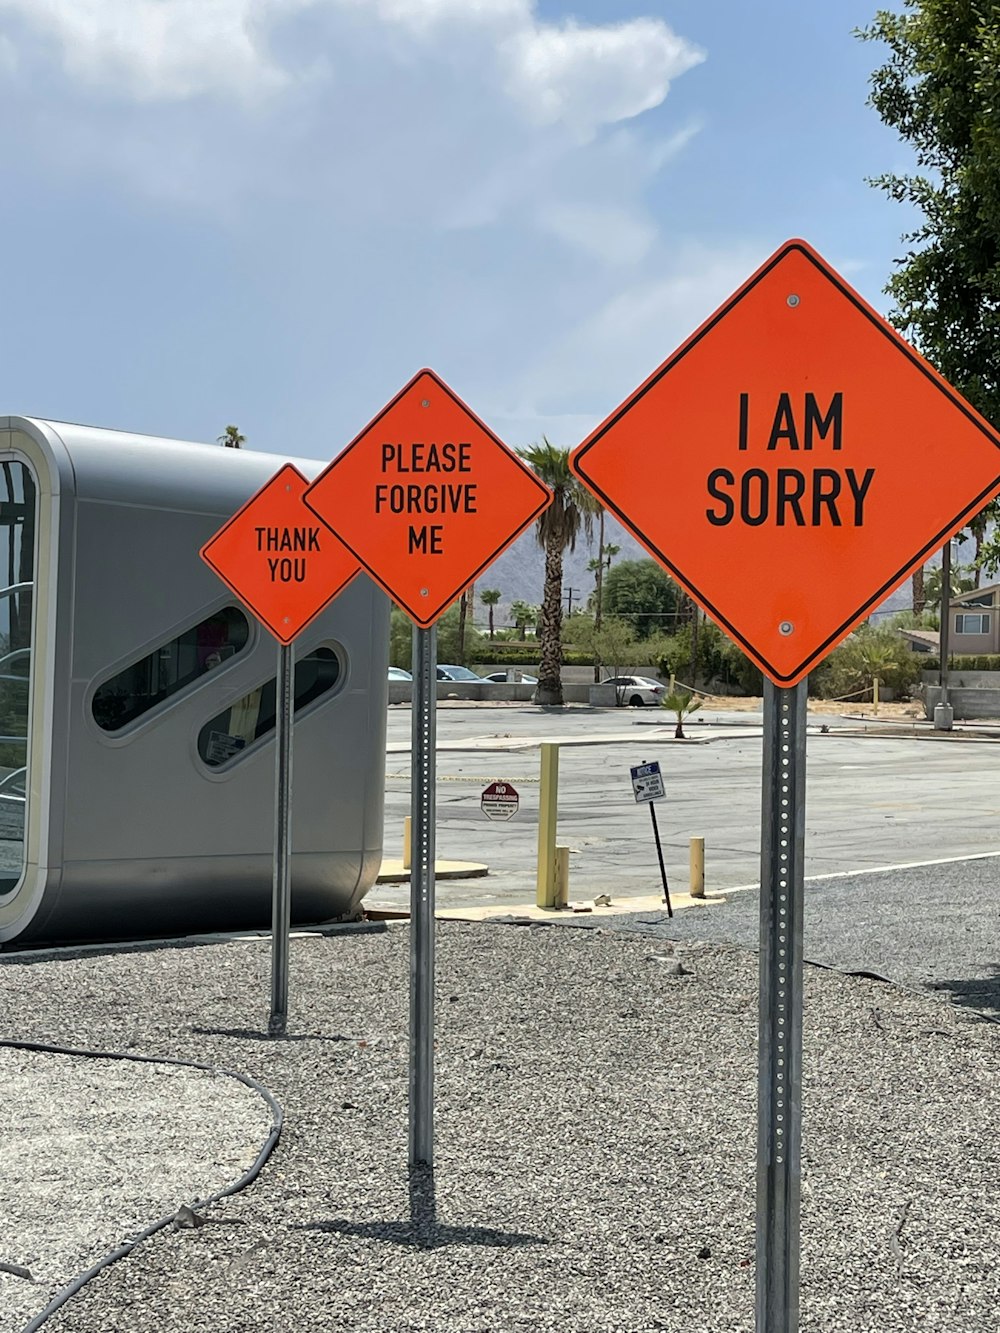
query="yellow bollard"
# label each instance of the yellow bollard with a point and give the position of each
(406, 843)
(548, 800)
(697, 861)
(561, 886)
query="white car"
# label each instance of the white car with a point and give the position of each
(500, 678)
(459, 674)
(637, 690)
(398, 673)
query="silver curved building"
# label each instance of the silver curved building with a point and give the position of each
(137, 701)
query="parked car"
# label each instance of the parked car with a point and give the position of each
(460, 674)
(637, 690)
(500, 678)
(397, 673)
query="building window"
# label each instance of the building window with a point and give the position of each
(972, 624)
(253, 717)
(155, 678)
(18, 516)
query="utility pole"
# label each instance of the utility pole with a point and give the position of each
(943, 713)
(569, 594)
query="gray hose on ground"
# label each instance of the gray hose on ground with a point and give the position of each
(61, 1297)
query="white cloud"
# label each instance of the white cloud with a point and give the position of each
(155, 49)
(452, 114)
(452, 181)
(593, 76)
(177, 49)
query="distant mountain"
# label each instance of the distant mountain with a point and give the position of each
(520, 572)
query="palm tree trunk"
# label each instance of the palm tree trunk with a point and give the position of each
(598, 589)
(549, 687)
(463, 604)
(919, 596)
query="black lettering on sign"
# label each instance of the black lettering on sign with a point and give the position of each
(788, 497)
(721, 477)
(425, 540)
(287, 539)
(783, 425)
(286, 570)
(816, 424)
(423, 457)
(438, 497)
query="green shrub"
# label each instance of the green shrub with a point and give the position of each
(962, 662)
(511, 654)
(869, 652)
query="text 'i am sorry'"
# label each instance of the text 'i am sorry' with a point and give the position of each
(800, 494)
(424, 483)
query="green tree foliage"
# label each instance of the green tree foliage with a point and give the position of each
(556, 530)
(612, 642)
(682, 705)
(720, 662)
(640, 592)
(940, 90)
(963, 579)
(231, 438)
(489, 598)
(401, 638)
(848, 672)
(524, 616)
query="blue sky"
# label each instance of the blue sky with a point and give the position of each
(273, 212)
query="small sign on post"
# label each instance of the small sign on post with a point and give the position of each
(647, 786)
(499, 801)
(647, 782)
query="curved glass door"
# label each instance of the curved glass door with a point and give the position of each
(17, 575)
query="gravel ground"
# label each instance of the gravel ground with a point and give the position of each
(934, 926)
(595, 1139)
(96, 1150)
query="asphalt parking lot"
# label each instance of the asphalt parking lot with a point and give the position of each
(873, 799)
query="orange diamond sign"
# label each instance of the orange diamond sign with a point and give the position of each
(426, 497)
(792, 462)
(278, 559)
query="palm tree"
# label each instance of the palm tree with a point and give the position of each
(523, 614)
(682, 705)
(556, 530)
(489, 597)
(231, 438)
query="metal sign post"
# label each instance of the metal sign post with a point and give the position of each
(659, 853)
(281, 902)
(422, 810)
(647, 785)
(779, 1099)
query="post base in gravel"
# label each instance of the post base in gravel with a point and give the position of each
(779, 1085)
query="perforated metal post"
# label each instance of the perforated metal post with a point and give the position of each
(422, 811)
(281, 897)
(779, 1104)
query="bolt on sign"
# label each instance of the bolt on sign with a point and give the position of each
(426, 497)
(279, 559)
(792, 462)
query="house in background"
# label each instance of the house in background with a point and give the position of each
(975, 621)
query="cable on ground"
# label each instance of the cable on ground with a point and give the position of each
(247, 1178)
